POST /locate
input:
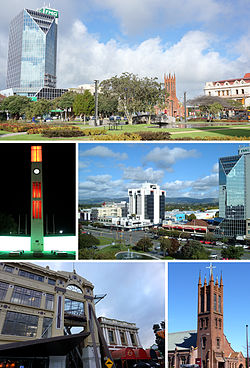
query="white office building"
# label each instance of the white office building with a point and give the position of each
(147, 203)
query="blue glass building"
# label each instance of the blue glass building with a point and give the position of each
(234, 194)
(32, 52)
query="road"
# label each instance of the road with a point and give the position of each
(127, 237)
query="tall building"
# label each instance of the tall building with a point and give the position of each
(208, 346)
(147, 203)
(237, 89)
(234, 194)
(32, 54)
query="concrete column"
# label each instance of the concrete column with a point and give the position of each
(57, 362)
(88, 357)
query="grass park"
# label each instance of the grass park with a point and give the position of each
(15, 131)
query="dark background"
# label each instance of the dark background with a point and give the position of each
(58, 183)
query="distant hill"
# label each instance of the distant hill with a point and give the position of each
(185, 200)
(174, 200)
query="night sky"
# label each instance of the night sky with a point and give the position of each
(58, 183)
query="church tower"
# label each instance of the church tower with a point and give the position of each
(210, 335)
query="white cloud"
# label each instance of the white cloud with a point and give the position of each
(216, 168)
(82, 58)
(166, 157)
(199, 188)
(102, 151)
(137, 15)
(137, 174)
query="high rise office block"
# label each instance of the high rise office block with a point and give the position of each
(234, 194)
(147, 203)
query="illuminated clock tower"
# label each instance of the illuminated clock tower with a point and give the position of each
(36, 199)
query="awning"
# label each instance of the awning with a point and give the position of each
(53, 346)
(125, 353)
(141, 354)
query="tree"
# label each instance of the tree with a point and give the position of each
(232, 252)
(134, 94)
(84, 104)
(144, 244)
(65, 102)
(38, 108)
(170, 246)
(193, 250)
(107, 105)
(87, 241)
(15, 105)
(190, 217)
(209, 237)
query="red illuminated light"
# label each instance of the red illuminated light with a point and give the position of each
(37, 209)
(36, 191)
(36, 153)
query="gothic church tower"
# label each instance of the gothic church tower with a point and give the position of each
(210, 335)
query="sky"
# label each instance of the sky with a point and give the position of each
(197, 40)
(135, 291)
(183, 299)
(183, 169)
(58, 183)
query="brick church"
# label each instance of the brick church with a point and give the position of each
(173, 106)
(208, 346)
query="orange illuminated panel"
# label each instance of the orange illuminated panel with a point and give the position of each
(36, 153)
(36, 191)
(37, 209)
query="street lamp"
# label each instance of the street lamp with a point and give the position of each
(96, 101)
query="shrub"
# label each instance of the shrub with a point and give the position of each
(154, 136)
(62, 132)
(88, 132)
(118, 137)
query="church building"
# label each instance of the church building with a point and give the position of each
(173, 105)
(207, 347)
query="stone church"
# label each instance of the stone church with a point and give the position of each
(207, 347)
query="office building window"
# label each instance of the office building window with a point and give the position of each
(26, 296)
(20, 324)
(132, 336)
(74, 307)
(3, 290)
(8, 269)
(31, 275)
(123, 338)
(47, 327)
(51, 281)
(49, 301)
(111, 336)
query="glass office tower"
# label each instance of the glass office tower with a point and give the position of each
(234, 194)
(32, 52)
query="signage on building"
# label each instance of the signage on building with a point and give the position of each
(52, 12)
(244, 150)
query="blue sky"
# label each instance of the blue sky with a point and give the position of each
(183, 300)
(198, 40)
(130, 297)
(183, 170)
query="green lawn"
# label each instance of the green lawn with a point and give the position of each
(104, 241)
(215, 132)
